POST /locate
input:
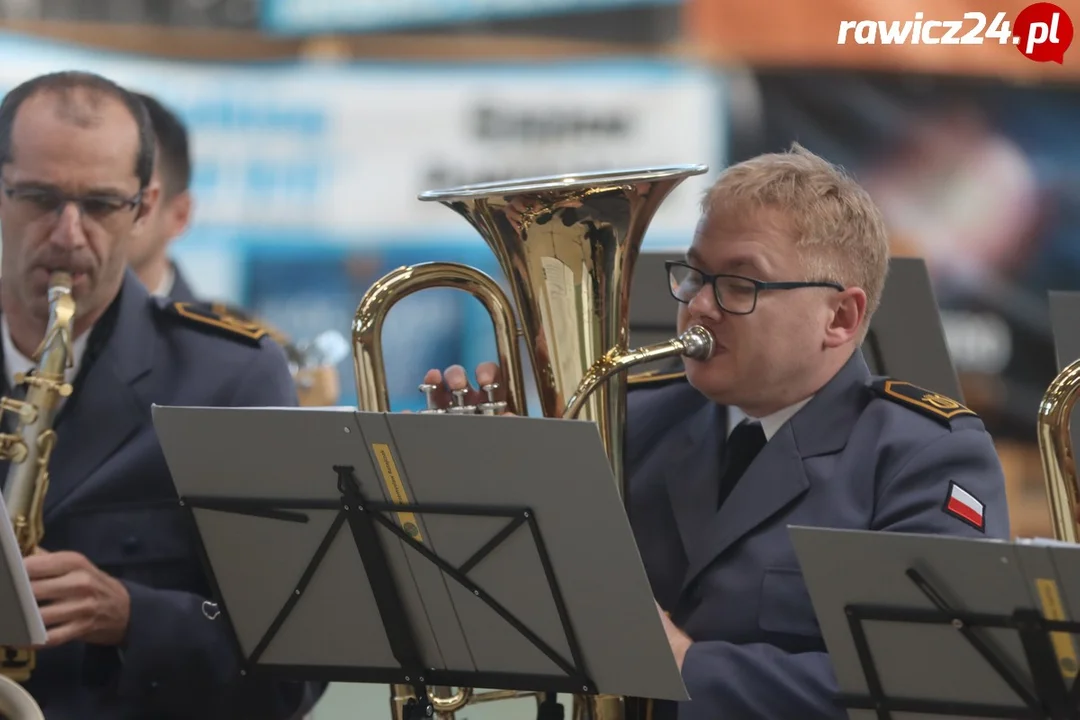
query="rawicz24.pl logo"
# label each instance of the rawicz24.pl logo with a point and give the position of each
(1041, 32)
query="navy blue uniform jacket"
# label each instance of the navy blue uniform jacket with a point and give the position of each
(862, 454)
(111, 499)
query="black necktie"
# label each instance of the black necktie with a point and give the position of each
(742, 446)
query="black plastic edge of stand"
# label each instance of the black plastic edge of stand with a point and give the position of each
(287, 509)
(525, 682)
(1053, 700)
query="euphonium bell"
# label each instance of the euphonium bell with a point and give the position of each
(567, 246)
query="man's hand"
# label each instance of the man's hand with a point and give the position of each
(454, 378)
(77, 600)
(680, 642)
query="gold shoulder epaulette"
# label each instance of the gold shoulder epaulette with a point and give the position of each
(206, 317)
(934, 405)
(243, 317)
(654, 378)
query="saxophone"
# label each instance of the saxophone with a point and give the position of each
(28, 449)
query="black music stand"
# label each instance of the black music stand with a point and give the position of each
(907, 339)
(937, 626)
(1065, 325)
(424, 550)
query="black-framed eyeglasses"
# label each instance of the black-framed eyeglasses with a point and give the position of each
(98, 206)
(735, 294)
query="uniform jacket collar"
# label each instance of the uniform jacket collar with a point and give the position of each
(775, 479)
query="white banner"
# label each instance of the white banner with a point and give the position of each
(313, 16)
(339, 154)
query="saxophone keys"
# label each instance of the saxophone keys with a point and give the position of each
(27, 412)
(12, 448)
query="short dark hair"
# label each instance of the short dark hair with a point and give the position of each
(64, 83)
(172, 140)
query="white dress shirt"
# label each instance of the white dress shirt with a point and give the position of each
(15, 361)
(771, 423)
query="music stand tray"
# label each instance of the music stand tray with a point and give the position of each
(922, 627)
(417, 549)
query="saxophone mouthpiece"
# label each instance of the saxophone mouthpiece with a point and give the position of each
(60, 279)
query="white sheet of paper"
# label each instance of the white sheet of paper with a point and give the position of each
(29, 613)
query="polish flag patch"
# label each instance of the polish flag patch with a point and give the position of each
(963, 505)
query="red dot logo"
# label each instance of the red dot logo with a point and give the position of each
(1043, 32)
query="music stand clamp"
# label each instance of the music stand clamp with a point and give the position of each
(1052, 699)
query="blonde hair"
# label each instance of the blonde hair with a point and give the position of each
(838, 229)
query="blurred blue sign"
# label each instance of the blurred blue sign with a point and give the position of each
(311, 16)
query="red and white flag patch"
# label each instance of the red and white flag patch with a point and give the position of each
(965, 506)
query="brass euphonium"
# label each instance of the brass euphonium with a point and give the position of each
(567, 246)
(28, 449)
(1055, 448)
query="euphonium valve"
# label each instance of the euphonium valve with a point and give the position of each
(567, 246)
(28, 449)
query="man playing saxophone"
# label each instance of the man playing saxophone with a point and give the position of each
(783, 425)
(117, 577)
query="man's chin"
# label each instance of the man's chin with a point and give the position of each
(709, 377)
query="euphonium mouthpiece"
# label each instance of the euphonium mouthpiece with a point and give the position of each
(698, 343)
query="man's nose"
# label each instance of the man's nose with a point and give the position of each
(704, 304)
(68, 230)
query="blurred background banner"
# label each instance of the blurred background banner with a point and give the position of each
(305, 16)
(306, 175)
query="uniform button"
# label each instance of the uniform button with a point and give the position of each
(130, 545)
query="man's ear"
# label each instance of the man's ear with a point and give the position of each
(846, 319)
(179, 214)
(151, 196)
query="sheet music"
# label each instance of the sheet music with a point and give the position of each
(19, 581)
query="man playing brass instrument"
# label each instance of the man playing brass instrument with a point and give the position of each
(782, 425)
(119, 580)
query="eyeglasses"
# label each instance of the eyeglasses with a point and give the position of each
(735, 294)
(99, 207)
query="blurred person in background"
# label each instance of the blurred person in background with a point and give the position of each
(784, 425)
(960, 194)
(317, 382)
(172, 215)
(119, 580)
